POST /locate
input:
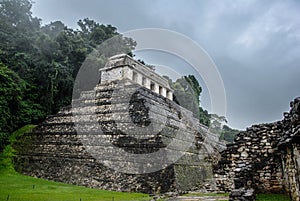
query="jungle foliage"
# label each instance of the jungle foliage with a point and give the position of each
(38, 64)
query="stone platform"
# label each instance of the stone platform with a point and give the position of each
(62, 148)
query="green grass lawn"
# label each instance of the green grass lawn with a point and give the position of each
(17, 187)
(272, 197)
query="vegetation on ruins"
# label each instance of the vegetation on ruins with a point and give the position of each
(188, 88)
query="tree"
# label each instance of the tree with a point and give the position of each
(188, 88)
(228, 133)
(17, 13)
(216, 123)
(48, 58)
(95, 33)
(16, 109)
(38, 65)
(218, 126)
(54, 29)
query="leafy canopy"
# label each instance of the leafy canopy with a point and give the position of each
(40, 63)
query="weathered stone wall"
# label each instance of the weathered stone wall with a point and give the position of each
(290, 149)
(56, 151)
(254, 148)
(264, 158)
(291, 170)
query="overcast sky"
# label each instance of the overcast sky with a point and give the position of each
(255, 44)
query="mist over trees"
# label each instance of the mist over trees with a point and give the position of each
(38, 65)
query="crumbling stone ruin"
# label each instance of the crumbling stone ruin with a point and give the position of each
(264, 158)
(65, 146)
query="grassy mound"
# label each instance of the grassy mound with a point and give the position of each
(6, 157)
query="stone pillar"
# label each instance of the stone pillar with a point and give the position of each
(134, 76)
(139, 79)
(164, 92)
(169, 95)
(156, 88)
(147, 83)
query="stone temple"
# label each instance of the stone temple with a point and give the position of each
(129, 135)
(107, 138)
(124, 67)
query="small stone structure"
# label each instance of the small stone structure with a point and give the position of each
(56, 151)
(264, 158)
(123, 66)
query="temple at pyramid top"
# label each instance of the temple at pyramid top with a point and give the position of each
(123, 66)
